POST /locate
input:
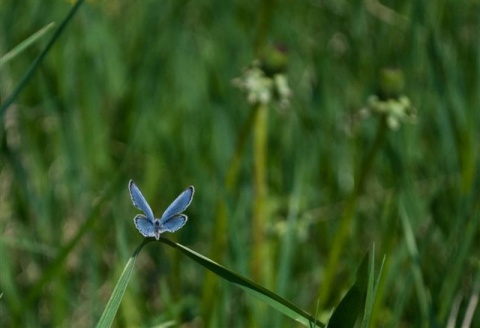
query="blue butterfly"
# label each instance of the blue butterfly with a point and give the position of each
(171, 220)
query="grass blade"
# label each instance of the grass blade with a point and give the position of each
(25, 44)
(371, 289)
(420, 286)
(265, 295)
(350, 307)
(38, 60)
(370, 298)
(114, 302)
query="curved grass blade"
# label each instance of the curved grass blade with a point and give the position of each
(279, 303)
(38, 60)
(114, 302)
(25, 44)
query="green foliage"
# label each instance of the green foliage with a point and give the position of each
(350, 307)
(277, 302)
(37, 61)
(113, 304)
(144, 90)
(280, 304)
(360, 297)
(25, 44)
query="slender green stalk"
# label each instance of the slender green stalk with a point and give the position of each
(259, 154)
(266, 7)
(349, 212)
(232, 173)
(260, 191)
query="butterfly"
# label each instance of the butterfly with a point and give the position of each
(171, 220)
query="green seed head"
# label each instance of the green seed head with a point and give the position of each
(274, 60)
(391, 83)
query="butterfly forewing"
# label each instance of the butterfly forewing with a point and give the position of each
(179, 205)
(144, 225)
(139, 201)
(174, 223)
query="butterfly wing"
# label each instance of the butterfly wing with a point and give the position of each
(139, 201)
(173, 223)
(179, 205)
(144, 225)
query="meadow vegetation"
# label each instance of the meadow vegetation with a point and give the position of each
(291, 194)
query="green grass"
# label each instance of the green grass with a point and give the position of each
(143, 90)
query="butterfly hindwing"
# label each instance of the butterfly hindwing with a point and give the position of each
(173, 223)
(139, 201)
(178, 205)
(144, 225)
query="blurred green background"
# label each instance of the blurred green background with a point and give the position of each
(143, 90)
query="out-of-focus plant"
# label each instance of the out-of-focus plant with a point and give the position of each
(264, 80)
(264, 83)
(390, 101)
(392, 108)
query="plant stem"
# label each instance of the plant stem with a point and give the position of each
(349, 211)
(260, 189)
(232, 173)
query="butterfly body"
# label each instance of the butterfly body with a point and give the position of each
(171, 220)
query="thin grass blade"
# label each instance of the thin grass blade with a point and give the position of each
(277, 302)
(111, 309)
(38, 60)
(371, 287)
(25, 44)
